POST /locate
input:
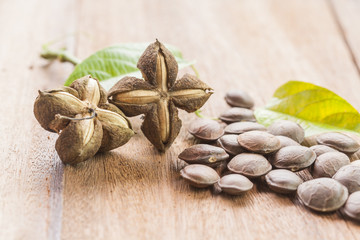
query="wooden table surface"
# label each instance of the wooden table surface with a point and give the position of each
(134, 192)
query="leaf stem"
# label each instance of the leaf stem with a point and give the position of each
(200, 115)
(195, 71)
(61, 54)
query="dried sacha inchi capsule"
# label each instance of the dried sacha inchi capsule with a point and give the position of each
(159, 95)
(323, 194)
(86, 122)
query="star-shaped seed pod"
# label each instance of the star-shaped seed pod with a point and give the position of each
(86, 121)
(159, 95)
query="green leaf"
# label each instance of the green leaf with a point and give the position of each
(110, 64)
(315, 108)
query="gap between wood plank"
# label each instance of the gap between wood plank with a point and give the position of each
(343, 35)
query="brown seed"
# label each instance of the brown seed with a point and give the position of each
(352, 206)
(206, 129)
(283, 181)
(203, 154)
(230, 144)
(339, 141)
(322, 194)
(327, 164)
(238, 98)
(236, 114)
(321, 149)
(241, 127)
(288, 129)
(259, 142)
(285, 141)
(293, 158)
(249, 164)
(200, 176)
(235, 184)
(356, 163)
(349, 176)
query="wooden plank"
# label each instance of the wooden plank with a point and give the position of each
(135, 192)
(347, 14)
(30, 171)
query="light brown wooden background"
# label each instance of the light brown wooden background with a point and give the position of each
(134, 192)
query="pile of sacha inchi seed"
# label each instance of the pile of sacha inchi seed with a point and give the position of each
(245, 150)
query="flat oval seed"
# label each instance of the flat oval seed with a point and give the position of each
(322, 194)
(238, 98)
(356, 163)
(206, 129)
(352, 206)
(230, 144)
(339, 141)
(321, 149)
(249, 164)
(200, 176)
(236, 114)
(203, 154)
(283, 181)
(293, 158)
(235, 184)
(288, 129)
(327, 164)
(349, 176)
(285, 141)
(241, 127)
(259, 142)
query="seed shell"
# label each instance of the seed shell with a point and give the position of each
(339, 141)
(352, 206)
(327, 164)
(288, 129)
(250, 165)
(283, 181)
(293, 158)
(237, 114)
(322, 194)
(230, 144)
(241, 127)
(259, 142)
(235, 184)
(203, 154)
(349, 176)
(200, 176)
(206, 129)
(321, 149)
(239, 98)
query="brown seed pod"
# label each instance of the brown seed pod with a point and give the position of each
(288, 129)
(50, 103)
(259, 142)
(250, 165)
(159, 95)
(237, 114)
(235, 184)
(283, 181)
(339, 141)
(322, 194)
(321, 149)
(80, 140)
(88, 123)
(349, 176)
(241, 127)
(203, 154)
(206, 129)
(327, 164)
(238, 98)
(199, 176)
(294, 158)
(230, 144)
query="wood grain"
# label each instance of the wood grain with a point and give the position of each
(134, 192)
